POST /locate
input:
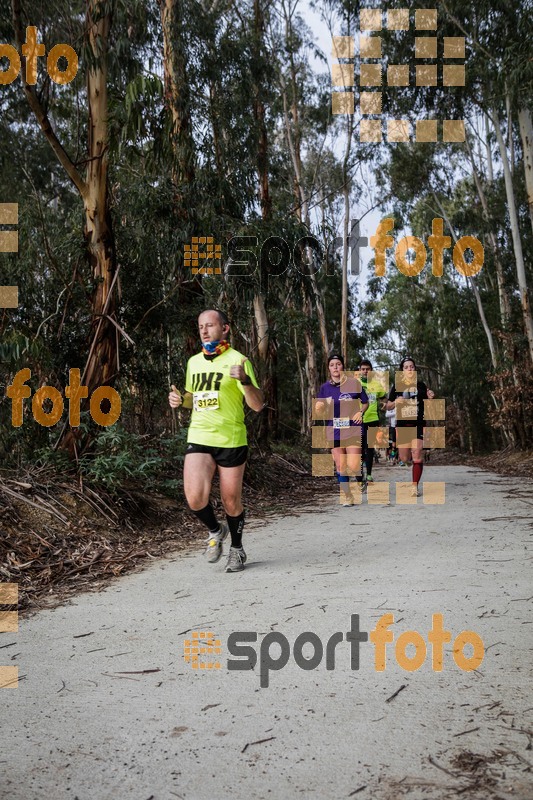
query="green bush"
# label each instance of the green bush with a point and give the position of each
(118, 456)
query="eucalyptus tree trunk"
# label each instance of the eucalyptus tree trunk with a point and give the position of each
(259, 114)
(346, 226)
(311, 372)
(310, 362)
(302, 207)
(310, 384)
(267, 346)
(515, 231)
(526, 133)
(101, 366)
(472, 283)
(177, 100)
(217, 134)
(294, 139)
(303, 392)
(510, 142)
(490, 171)
(509, 435)
(502, 294)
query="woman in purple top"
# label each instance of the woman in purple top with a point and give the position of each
(344, 401)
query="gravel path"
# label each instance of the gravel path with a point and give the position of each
(108, 709)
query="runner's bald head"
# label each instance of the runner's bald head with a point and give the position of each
(213, 325)
(222, 317)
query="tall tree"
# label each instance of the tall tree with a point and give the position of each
(92, 188)
(178, 100)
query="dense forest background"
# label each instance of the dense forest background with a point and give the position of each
(213, 119)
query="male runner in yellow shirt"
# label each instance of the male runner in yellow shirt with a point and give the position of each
(375, 392)
(218, 380)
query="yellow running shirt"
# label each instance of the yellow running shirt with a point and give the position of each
(374, 391)
(217, 418)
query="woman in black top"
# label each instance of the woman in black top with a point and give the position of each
(411, 415)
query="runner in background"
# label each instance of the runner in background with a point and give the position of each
(374, 391)
(390, 415)
(411, 416)
(218, 380)
(343, 426)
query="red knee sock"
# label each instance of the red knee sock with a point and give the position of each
(417, 471)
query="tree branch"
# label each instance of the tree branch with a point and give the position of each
(41, 115)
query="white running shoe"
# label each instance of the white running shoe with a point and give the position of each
(236, 559)
(214, 543)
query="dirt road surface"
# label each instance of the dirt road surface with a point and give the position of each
(107, 708)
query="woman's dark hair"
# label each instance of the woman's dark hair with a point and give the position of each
(407, 358)
(337, 356)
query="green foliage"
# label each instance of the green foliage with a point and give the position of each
(226, 63)
(119, 457)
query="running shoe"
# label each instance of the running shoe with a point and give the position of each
(348, 501)
(415, 491)
(214, 543)
(370, 479)
(236, 559)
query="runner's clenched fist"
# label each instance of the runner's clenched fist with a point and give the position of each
(174, 398)
(237, 371)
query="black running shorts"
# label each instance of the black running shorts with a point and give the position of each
(366, 426)
(419, 428)
(222, 456)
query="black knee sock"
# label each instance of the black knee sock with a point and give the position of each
(207, 516)
(369, 460)
(236, 524)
